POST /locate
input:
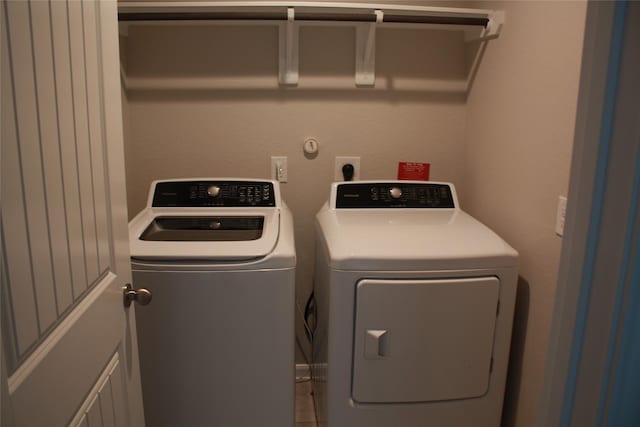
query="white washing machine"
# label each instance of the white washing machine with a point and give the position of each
(217, 341)
(415, 303)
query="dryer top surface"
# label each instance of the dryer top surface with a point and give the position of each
(410, 239)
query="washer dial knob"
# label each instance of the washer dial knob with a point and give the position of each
(395, 192)
(213, 191)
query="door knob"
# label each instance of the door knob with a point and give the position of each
(142, 296)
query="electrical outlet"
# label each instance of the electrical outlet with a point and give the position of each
(279, 170)
(561, 213)
(340, 162)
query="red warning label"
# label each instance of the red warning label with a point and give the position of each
(413, 171)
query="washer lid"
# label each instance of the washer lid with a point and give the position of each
(204, 229)
(222, 234)
(410, 239)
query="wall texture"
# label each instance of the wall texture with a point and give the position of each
(518, 143)
(204, 101)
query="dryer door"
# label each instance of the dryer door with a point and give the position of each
(423, 340)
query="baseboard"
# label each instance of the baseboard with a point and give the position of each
(303, 371)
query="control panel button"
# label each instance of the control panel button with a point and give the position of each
(395, 192)
(213, 191)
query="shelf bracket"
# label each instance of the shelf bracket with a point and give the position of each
(366, 51)
(493, 28)
(288, 50)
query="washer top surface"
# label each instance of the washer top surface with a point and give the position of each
(212, 219)
(415, 231)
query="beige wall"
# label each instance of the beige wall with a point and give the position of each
(518, 142)
(215, 109)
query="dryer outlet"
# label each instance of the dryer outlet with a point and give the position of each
(344, 160)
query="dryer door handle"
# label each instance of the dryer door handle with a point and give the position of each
(376, 345)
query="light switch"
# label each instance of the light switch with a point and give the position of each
(279, 170)
(561, 213)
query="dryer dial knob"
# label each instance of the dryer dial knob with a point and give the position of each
(213, 191)
(395, 192)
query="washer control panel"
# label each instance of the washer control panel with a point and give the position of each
(394, 195)
(214, 194)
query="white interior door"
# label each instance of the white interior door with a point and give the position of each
(69, 345)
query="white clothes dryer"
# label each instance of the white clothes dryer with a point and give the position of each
(217, 342)
(415, 303)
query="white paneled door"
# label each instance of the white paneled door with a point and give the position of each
(69, 353)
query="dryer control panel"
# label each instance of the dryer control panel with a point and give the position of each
(214, 194)
(394, 195)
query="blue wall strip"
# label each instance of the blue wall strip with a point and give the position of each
(624, 409)
(614, 333)
(606, 130)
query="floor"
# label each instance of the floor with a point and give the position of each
(305, 411)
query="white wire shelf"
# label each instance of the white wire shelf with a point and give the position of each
(477, 24)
